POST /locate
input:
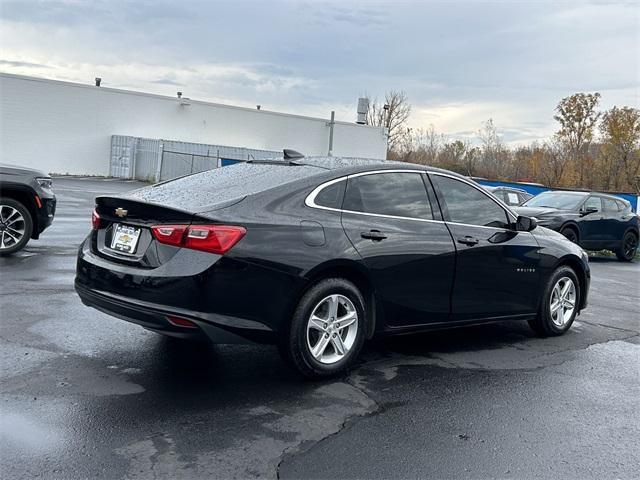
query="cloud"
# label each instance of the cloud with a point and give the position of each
(459, 62)
(19, 64)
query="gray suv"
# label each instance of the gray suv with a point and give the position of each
(27, 206)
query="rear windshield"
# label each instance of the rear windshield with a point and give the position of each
(204, 190)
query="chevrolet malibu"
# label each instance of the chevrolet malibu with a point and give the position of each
(317, 255)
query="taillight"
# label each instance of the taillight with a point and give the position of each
(207, 238)
(95, 220)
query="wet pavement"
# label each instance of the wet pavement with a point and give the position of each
(86, 395)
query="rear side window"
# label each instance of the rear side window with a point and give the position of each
(468, 205)
(331, 196)
(610, 205)
(397, 194)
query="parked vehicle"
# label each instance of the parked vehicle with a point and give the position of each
(595, 221)
(509, 195)
(317, 255)
(27, 206)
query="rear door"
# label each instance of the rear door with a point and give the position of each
(403, 243)
(497, 267)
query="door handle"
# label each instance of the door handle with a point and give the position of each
(375, 235)
(468, 240)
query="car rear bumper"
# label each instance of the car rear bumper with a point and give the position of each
(215, 328)
(229, 301)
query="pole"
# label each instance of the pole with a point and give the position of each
(331, 123)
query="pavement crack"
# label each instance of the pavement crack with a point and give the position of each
(304, 446)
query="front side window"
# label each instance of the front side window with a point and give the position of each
(593, 203)
(396, 194)
(466, 204)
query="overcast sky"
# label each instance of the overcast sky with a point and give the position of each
(459, 62)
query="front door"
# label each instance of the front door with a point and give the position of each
(592, 223)
(410, 255)
(497, 267)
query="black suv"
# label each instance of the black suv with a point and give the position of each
(27, 206)
(595, 221)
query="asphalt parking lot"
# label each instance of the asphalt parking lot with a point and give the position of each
(86, 395)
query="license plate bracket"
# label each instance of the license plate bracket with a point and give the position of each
(124, 238)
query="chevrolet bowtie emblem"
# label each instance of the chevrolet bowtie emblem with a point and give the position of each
(121, 212)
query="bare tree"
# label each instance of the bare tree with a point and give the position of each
(577, 117)
(393, 118)
(493, 153)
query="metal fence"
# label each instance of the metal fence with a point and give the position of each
(157, 160)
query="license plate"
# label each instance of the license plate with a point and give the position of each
(124, 238)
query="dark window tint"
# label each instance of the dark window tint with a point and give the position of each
(593, 203)
(466, 204)
(398, 194)
(610, 205)
(331, 196)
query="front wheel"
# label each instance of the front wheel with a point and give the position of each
(570, 233)
(560, 304)
(327, 330)
(16, 226)
(628, 247)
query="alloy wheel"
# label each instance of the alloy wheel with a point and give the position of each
(630, 246)
(563, 301)
(332, 328)
(12, 227)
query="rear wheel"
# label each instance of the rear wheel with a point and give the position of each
(16, 226)
(570, 233)
(628, 247)
(559, 306)
(327, 330)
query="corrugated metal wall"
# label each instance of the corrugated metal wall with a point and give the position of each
(157, 160)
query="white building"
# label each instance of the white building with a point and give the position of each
(69, 128)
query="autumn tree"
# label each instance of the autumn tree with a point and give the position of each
(620, 130)
(394, 118)
(577, 116)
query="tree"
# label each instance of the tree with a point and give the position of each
(394, 119)
(493, 153)
(577, 117)
(620, 130)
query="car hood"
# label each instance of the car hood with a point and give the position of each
(539, 211)
(7, 169)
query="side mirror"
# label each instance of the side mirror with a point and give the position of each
(588, 211)
(526, 224)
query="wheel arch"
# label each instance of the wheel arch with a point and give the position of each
(572, 225)
(575, 264)
(355, 273)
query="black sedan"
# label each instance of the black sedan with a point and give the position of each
(317, 255)
(27, 206)
(595, 221)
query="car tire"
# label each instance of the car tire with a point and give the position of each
(628, 247)
(571, 234)
(15, 219)
(558, 308)
(327, 330)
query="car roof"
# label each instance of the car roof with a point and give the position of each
(348, 165)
